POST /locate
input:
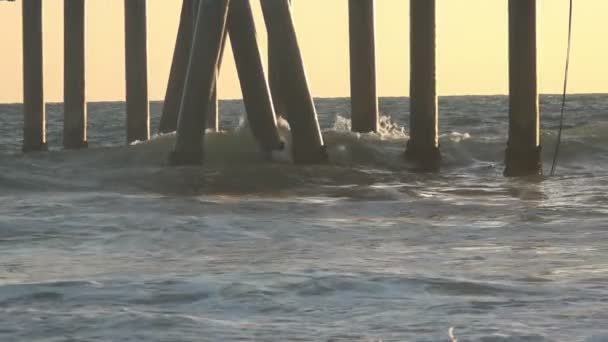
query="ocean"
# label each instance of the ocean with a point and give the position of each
(112, 244)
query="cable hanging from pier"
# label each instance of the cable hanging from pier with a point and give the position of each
(565, 90)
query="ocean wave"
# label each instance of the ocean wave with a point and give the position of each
(233, 162)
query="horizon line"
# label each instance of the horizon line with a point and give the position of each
(331, 97)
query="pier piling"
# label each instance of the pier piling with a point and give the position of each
(307, 141)
(256, 93)
(74, 98)
(276, 73)
(523, 155)
(136, 68)
(179, 67)
(364, 100)
(423, 146)
(177, 76)
(34, 114)
(200, 81)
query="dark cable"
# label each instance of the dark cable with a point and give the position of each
(564, 94)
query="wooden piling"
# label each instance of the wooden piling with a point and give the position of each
(523, 155)
(177, 76)
(276, 74)
(74, 100)
(136, 68)
(34, 114)
(307, 140)
(179, 67)
(200, 80)
(213, 114)
(256, 94)
(423, 146)
(364, 100)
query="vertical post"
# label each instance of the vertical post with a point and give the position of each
(34, 115)
(256, 94)
(200, 80)
(136, 64)
(523, 156)
(275, 72)
(363, 97)
(423, 146)
(307, 141)
(75, 112)
(179, 67)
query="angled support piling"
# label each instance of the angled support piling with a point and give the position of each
(364, 100)
(177, 76)
(75, 111)
(307, 140)
(200, 81)
(136, 68)
(523, 155)
(179, 67)
(34, 114)
(276, 74)
(256, 94)
(423, 146)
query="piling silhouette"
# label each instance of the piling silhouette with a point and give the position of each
(34, 114)
(179, 66)
(256, 93)
(363, 95)
(423, 146)
(307, 140)
(200, 81)
(277, 77)
(136, 69)
(523, 155)
(74, 99)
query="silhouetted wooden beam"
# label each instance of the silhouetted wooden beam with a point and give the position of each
(34, 115)
(177, 77)
(256, 94)
(307, 140)
(200, 80)
(363, 97)
(423, 146)
(74, 98)
(276, 74)
(179, 67)
(213, 115)
(136, 67)
(523, 156)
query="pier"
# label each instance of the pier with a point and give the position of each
(283, 90)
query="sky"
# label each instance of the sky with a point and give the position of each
(471, 47)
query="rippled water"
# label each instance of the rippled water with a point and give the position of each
(111, 244)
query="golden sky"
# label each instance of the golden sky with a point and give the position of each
(472, 47)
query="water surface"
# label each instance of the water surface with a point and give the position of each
(111, 244)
